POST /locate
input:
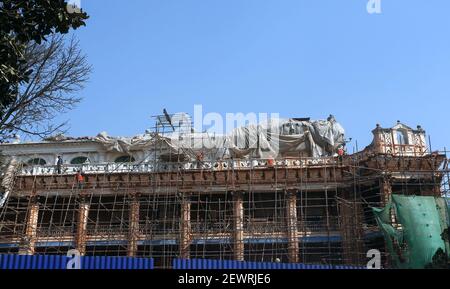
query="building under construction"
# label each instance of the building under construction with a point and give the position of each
(164, 196)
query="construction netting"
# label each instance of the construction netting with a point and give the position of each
(416, 231)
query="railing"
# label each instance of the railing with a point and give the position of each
(177, 166)
(56, 231)
(172, 227)
(319, 226)
(10, 228)
(106, 230)
(159, 227)
(259, 227)
(209, 227)
(153, 228)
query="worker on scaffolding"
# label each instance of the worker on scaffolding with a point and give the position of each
(79, 177)
(341, 153)
(199, 158)
(59, 163)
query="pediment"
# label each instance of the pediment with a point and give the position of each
(401, 126)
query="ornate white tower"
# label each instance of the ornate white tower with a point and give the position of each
(400, 140)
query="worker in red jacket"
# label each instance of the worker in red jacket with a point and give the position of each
(79, 179)
(341, 153)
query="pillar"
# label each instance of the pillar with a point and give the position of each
(238, 226)
(82, 220)
(386, 194)
(185, 227)
(386, 191)
(133, 223)
(292, 228)
(29, 243)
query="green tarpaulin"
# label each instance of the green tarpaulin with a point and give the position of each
(421, 240)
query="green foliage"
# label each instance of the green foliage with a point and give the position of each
(22, 22)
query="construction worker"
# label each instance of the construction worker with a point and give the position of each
(199, 160)
(80, 180)
(59, 163)
(341, 153)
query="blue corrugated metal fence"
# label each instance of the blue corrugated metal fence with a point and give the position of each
(231, 264)
(60, 262)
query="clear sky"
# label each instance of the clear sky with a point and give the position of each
(299, 58)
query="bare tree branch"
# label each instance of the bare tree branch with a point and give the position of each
(60, 71)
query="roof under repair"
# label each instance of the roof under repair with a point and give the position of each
(276, 138)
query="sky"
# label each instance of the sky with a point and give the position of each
(298, 58)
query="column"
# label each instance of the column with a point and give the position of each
(133, 230)
(386, 191)
(81, 233)
(238, 222)
(29, 243)
(292, 229)
(386, 194)
(185, 227)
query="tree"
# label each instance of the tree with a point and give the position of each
(22, 22)
(58, 71)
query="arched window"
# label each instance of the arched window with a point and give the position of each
(402, 137)
(37, 162)
(125, 159)
(79, 161)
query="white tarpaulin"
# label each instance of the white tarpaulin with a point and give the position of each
(277, 138)
(281, 138)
